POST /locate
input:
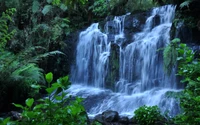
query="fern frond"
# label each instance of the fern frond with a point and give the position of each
(185, 4)
(45, 55)
(29, 72)
(170, 55)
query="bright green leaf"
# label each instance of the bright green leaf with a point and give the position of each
(35, 86)
(38, 106)
(18, 105)
(51, 89)
(29, 102)
(49, 77)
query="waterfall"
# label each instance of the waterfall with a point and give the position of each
(142, 80)
(92, 57)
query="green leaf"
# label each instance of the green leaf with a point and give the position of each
(29, 102)
(56, 85)
(185, 4)
(63, 7)
(38, 106)
(49, 1)
(36, 6)
(46, 9)
(35, 86)
(176, 40)
(51, 89)
(198, 78)
(59, 98)
(49, 77)
(18, 105)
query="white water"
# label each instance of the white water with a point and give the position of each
(142, 80)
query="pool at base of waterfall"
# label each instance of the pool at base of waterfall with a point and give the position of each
(98, 100)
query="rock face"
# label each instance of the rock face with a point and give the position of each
(113, 74)
(130, 24)
(187, 35)
(187, 26)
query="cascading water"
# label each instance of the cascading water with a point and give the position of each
(142, 80)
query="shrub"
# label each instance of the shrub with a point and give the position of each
(55, 109)
(189, 70)
(148, 115)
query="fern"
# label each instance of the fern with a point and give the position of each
(28, 73)
(170, 55)
(185, 4)
(5, 35)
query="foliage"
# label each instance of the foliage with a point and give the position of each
(55, 109)
(189, 69)
(135, 5)
(100, 8)
(5, 34)
(170, 55)
(172, 94)
(185, 3)
(148, 115)
(17, 74)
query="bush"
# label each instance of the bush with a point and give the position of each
(189, 70)
(148, 115)
(56, 109)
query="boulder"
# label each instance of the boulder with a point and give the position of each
(110, 116)
(124, 120)
(99, 118)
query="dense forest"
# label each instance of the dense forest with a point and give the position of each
(37, 50)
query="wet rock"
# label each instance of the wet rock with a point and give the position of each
(99, 118)
(156, 21)
(110, 116)
(15, 115)
(133, 121)
(113, 73)
(124, 120)
(181, 31)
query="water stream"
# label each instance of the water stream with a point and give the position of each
(142, 80)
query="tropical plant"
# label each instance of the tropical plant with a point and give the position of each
(189, 70)
(55, 109)
(148, 115)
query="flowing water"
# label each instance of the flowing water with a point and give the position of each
(142, 80)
